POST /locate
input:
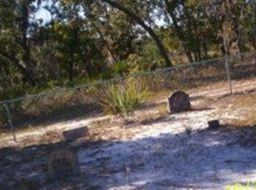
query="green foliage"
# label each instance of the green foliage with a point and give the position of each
(123, 98)
(102, 42)
(12, 93)
(120, 68)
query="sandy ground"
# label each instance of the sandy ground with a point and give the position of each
(178, 152)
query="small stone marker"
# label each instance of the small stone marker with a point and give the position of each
(74, 134)
(178, 102)
(62, 163)
(213, 124)
(26, 184)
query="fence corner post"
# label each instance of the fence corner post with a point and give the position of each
(7, 109)
(228, 75)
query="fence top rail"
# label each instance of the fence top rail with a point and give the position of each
(176, 67)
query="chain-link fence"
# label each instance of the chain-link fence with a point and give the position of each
(85, 101)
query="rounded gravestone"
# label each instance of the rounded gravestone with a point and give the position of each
(178, 102)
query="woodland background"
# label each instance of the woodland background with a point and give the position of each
(86, 40)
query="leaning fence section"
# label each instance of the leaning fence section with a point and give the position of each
(85, 101)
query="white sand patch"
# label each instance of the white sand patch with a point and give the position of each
(165, 156)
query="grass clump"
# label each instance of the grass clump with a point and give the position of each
(124, 98)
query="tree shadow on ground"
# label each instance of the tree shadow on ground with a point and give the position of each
(191, 159)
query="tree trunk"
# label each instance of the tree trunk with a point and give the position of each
(254, 43)
(205, 49)
(188, 53)
(70, 70)
(4, 78)
(26, 58)
(146, 27)
(179, 32)
(105, 42)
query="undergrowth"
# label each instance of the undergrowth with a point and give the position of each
(123, 99)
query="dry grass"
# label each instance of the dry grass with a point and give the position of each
(237, 110)
(48, 138)
(108, 129)
(242, 105)
(148, 116)
(118, 128)
(158, 96)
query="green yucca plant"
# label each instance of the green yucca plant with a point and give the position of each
(123, 98)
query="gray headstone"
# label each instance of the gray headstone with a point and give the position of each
(178, 102)
(74, 134)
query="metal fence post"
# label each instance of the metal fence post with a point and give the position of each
(10, 121)
(228, 75)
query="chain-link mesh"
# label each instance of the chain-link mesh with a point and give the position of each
(85, 101)
(243, 66)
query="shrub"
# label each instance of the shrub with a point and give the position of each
(123, 98)
(120, 68)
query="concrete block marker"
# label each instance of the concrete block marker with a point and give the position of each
(74, 134)
(213, 124)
